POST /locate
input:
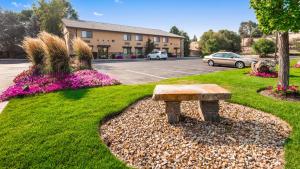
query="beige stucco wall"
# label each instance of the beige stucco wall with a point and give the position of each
(106, 38)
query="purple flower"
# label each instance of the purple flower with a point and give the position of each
(28, 83)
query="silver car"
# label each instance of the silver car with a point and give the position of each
(228, 59)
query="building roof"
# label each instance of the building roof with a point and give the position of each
(115, 28)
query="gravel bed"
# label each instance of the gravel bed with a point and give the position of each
(245, 138)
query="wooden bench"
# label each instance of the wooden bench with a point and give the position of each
(207, 94)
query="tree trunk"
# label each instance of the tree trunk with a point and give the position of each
(276, 46)
(284, 59)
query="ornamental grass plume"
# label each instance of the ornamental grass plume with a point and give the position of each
(35, 52)
(83, 54)
(57, 58)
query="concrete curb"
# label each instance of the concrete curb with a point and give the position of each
(139, 60)
(3, 105)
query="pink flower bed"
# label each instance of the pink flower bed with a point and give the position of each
(29, 83)
(297, 65)
(265, 75)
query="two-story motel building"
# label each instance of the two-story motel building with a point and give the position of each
(112, 39)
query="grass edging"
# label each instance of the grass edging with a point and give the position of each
(61, 129)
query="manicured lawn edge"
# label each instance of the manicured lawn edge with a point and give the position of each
(33, 129)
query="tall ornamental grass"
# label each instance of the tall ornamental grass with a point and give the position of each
(57, 58)
(83, 54)
(35, 52)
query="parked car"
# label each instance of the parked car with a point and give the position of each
(157, 55)
(228, 59)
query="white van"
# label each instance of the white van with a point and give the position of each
(157, 55)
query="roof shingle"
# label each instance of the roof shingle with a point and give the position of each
(115, 28)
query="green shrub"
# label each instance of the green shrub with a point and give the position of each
(83, 54)
(35, 52)
(263, 47)
(57, 58)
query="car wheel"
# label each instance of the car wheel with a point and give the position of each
(239, 65)
(210, 63)
(157, 57)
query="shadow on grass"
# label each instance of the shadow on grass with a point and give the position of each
(75, 94)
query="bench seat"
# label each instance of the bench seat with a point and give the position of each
(208, 96)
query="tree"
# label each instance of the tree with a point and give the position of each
(195, 39)
(229, 40)
(12, 31)
(264, 47)
(175, 30)
(30, 21)
(186, 41)
(50, 14)
(149, 47)
(280, 16)
(250, 29)
(211, 41)
(208, 42)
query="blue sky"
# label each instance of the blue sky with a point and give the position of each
(193, 16)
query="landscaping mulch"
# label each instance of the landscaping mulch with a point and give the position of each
(288, 97)
(244, 138)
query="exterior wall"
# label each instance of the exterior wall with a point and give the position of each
(116, 42)
(194, 49)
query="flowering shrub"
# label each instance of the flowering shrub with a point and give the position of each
(264, 68)
(290, 89)
(119, 57)
(133, 57)
(26, 74)
(297, 65)
(265, 74)
(279, 89)
(29, 83)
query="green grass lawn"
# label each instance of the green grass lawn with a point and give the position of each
(60, 130)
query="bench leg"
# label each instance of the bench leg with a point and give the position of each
(173, 111)
(209, 110)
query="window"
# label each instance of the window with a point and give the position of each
(127, 37)
(227, 55)
(139, 37)
(156, 39)
(127, 50)
(218, 55)
(86, 34)
(165, 40)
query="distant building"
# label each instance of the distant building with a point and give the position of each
(293, 39)
(107, 40)
(194, 49)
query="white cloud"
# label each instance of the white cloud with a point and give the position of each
(20, 5)
(98, 14)
(16, 4)
(27, 6)
(118, 1)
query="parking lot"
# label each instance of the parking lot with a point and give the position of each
(132, 72)
(137, 72)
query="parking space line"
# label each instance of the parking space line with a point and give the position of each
(176, 71)
(159, 77)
